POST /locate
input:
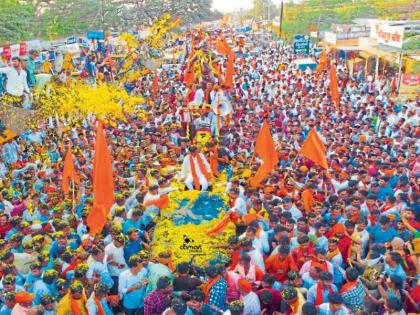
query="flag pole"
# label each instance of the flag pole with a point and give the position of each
(72, 192)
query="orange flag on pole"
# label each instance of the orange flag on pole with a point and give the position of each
(69, 171)
(155, 84)
(266, 150)
(314, 150)
(323, 60)
(335, 95)
(230, 70)
(102, 182)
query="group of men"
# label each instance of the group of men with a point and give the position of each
(353, 249)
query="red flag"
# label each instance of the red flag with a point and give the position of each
(335, 95)
(314, 150)
(266, 150)
(103, 183)
(69, 171)
(155, 85)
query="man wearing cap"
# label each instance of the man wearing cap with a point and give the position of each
(196, 170)
(74, 302)
(114, 253)
(132, 284)
(97, 303)
(251, 302)
(292, 301)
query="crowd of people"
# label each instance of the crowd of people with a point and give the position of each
(355, 250)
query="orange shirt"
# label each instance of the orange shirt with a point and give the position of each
(280, 267)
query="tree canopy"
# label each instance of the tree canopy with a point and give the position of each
(22, 20)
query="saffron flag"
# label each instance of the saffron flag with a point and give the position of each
(155, 84)
(335, 96)
(103, 183)
(307, 197)
(266, 150)
(323, 60)
(69, 172)
(314, 150)
(229, 70)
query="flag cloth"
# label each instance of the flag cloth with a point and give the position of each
(323, 60)
(314, 150)
(222, 47)
(229, 70)
(393, 84)
(69, 171)
(103, 183)
(266, 150)
(335, 96)
(307, 197)
(155, 85)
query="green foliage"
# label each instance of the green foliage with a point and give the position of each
(15, 21)
(22, 20)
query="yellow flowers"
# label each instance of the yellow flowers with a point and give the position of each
(80, 99)
(190, 241)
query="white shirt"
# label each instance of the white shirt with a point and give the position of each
(118, 257)
(16, 81)
(239, 206)
(186, 167)
(199, 97)
(251, 304)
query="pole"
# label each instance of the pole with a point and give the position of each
(281, 18)
(102, 13)
(72, 193)
(400, 71)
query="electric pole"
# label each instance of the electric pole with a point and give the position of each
(281, 18)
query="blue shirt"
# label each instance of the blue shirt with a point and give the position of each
(131, 249)
(383, 192)
(381, 237)
(397, 271)
(40, 288)
(129, 224)
(126, 280)
(325, 293)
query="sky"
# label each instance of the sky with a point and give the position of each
(231, 5)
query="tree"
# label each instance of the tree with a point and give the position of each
(15, 21)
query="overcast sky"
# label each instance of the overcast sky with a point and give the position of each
(230, 5)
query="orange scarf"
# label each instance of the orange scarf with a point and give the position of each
(75, 308)
(332, 254)
(319, 299)
(161, 203)
(99, 306)
(194, 172)
(294, 306)
(323, 266)
(214, 164)
(348, 286)
(207, 287)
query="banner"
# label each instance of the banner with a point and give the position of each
(98, 35)
(409, 86)
(301, 44)
(386, 34)
(22, 49)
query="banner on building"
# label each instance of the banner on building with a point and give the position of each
(387, 35)
(409, 86)
(301, 44)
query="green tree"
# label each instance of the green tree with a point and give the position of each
(15, 21)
